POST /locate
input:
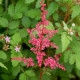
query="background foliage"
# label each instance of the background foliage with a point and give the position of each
(18, 15)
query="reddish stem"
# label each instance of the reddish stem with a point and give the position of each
(40, 74)
(45, 69)
(67, 13)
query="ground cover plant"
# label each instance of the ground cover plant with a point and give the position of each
(37, 37)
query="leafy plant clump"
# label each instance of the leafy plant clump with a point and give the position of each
(41, 40)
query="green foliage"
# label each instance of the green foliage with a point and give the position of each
(33, 13)
(11, 25)
(3, 66)
(30, 73)
(26, 22)
(29, 1)
(76, 11)
(65, 40)
(3, 22)
(18, 15)
(15, 70)
(53, 7)
(3, 55)
(16, 39)
(22, 76)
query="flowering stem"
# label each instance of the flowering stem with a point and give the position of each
(40, 74)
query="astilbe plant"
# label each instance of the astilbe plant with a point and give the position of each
(40, 42)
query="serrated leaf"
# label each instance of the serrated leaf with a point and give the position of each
(29, 1)
(23, 33)
(3, 55)
(12, 26)
(76, 11)
(22, 76)
(17, 15)
(52, 8)
(11, 10)
(72, 58)
(3, 66)
(55, 16)
(75, 44)
(20, 6)
(3, 22)
(30, 73)
(65, 40)
(26, 22)
(78, 61)
(15, 70)
(34, 13)
(12, 31)
(66, 56)
(46, 77)
(58, 24)
(16, 38)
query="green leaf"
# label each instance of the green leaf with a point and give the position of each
(15, 70)
(65, 25)
(16, 38)
(11, 10)
(72, 58)
(76, 11)
(46, 77)
(63, 8)
(29, 1)
(3, 66)
(12, 31)
(30, 73)
(23, 33)
(38, 3)
(22, 76)
(78, 61)
(52, 8)
(3, 55)
(26, 22)
(77, 72)
(65, 40)
(5, 77)
(34, 13)
(3, 22)
(58, 24)
(66, 56)
(17, 15)
(75, 45)
(12, 26)
(20, 6)
(55, 16)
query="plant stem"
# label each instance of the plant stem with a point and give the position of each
(40, 74)
(67, 13)
(6, 5)
(45, 69)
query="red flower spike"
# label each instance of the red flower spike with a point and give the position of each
(40, 42)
